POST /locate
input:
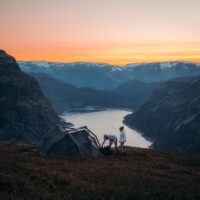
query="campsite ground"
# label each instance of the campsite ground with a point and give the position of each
(141, 174)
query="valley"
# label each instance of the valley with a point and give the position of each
(165, 111)
(161, 114)
(99, 100)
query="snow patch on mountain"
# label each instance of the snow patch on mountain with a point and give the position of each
(116, 69)
(41, 63)
(166, 65)
(133, 65)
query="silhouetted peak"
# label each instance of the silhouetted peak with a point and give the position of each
(2, 52)
(25, 114)
(7, 63)
(6, 58)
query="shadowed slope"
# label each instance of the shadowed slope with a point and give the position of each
(172, 116)
(25, 114)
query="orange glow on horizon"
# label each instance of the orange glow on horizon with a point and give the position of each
(115, 32)
(115, 55)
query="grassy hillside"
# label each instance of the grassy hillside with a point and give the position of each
(141, 174)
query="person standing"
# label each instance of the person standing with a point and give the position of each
(122, 138)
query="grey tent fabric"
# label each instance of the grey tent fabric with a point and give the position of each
(60, 141)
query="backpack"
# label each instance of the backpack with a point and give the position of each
(105, 150)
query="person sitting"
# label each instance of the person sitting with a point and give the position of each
(112, 139)
(122, 138)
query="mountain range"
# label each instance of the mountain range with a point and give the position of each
(108, 77)
(67, 97)
(164, 96)
(163, 112)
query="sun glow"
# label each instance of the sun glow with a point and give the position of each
(117, 32)
(119, 55)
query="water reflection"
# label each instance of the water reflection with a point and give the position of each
(107, 122)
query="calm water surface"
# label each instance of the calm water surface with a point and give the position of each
(107, 122)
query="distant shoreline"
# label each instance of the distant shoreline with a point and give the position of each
(94, 109)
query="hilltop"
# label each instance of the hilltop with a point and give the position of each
(140, 174)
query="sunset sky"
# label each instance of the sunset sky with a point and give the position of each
(112, 31)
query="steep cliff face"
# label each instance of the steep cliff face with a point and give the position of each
(25, 114)
(172, 117)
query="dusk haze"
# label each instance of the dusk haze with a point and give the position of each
(100, 99)
(111, 31)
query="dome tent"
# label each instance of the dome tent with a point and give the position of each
(64, 141)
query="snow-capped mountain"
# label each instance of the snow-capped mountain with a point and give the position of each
(81, 74)
(106, 77)
(159, 65)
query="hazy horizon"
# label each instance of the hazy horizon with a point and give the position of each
(108, 31)
(107, 62)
